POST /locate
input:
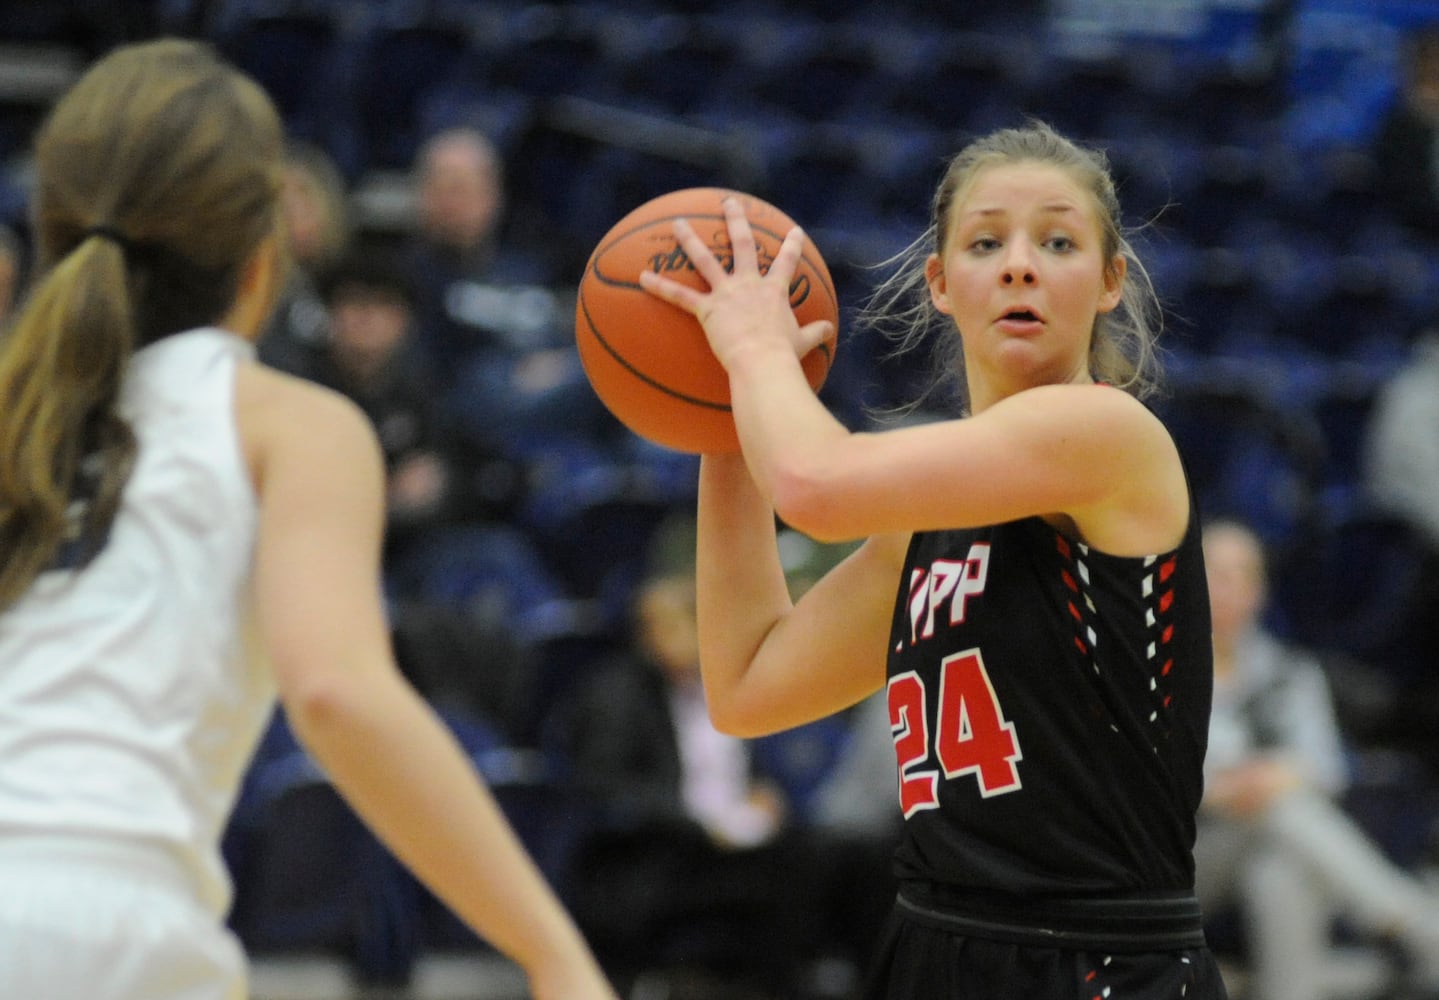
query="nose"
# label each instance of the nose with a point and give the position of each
(1019, 264)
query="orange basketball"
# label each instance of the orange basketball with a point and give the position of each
(647, 360)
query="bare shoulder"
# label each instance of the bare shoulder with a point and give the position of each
(280, 414)
(1098, 425)
(263, 393)
(1129, 422)
(1148, 508)
(1102, 408)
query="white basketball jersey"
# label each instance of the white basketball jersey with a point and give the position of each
(129, 707)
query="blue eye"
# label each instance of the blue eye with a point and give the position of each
(1060, 244)
(984, 244)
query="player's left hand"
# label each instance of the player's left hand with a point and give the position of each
(747, 308)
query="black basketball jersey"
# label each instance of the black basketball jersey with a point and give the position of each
(1050, 709)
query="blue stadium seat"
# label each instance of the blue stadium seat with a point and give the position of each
(827, 75)
(505, 116)
(547, 49)
(1359, 586)
(1172, 262)
(819, 171)
(1229, 101)
(674, 64)
(392, 70)
(1249, 453)
(1341, 395)
(294, 55)
(309, 877)
(1222, 310)
(557, 183)
(1330, 189)
(1353, 312)
(904, 162)
(1230, 186)
(1079, 94)
(1157, 169)
(1407, 263)
(967, 81)
(491, 571)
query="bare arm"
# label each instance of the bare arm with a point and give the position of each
(1090, 455)
(769, 664)
(318, 473)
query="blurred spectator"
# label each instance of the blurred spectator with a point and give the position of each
(438, 478)
(1272, 837)
(859, 803)
(705, 777)
(862, 794)
(698, 850)
(1402, 447)
(494, 322)
(859, 795)
(370, 358)
(1406, 150)
(317, 226)
(461, 187)
(465, 582)
(1401, 479)
(12, 269)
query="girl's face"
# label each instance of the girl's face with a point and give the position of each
(368, 326)
(667, 627)
(1023, 275)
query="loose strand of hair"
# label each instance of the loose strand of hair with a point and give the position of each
(901, 311)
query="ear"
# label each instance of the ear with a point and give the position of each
(1113, 284)
(938, 286)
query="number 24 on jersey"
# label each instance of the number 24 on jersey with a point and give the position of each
(971, 734)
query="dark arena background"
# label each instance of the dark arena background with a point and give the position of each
(1298, 264)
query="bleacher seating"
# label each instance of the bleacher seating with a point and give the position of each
(1239, 142)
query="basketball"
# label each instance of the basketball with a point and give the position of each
(648, 360)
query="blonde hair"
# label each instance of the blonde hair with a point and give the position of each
(157, 179)
(1123, 347)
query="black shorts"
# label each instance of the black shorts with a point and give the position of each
(921, 962)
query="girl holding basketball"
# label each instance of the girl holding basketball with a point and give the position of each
(1031, 589)
(184, 533)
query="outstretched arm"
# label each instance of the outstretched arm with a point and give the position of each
(318, 473)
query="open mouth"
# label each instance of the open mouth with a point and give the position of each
(1022, 316)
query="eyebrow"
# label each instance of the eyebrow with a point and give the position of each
(1049, 208)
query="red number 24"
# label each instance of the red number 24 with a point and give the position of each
(972, 736)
